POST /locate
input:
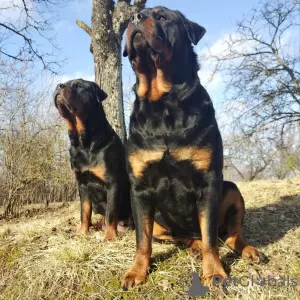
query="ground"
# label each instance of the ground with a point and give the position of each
(41, 257)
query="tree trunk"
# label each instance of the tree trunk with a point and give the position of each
(109, 21)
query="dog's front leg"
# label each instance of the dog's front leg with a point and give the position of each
(85, 211)
(112, 211)
(208, 212)
(143, 207)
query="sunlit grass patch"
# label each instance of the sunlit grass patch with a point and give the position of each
(41, 257)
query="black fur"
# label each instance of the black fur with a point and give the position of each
(174, 150)
(175, 191)
(96, 144)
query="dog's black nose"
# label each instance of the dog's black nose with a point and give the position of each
(136, 18)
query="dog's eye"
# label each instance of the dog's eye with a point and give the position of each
(161, 18)
(75, 86)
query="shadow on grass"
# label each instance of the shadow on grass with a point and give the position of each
(160, 257)
(268, 224)
(262, 226)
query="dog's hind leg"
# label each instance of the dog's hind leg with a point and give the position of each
(231, 219)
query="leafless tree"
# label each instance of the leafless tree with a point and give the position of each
(286, 158)
(34, 166)
(261, 63)
(23, 24)
(109, 21)
(261, 154)
(249, 156)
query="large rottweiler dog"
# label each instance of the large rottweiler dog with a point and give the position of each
(175, 152)
(97, 155)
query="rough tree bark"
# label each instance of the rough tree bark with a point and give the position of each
(109, 21)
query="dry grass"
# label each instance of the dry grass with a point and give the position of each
(42, 258)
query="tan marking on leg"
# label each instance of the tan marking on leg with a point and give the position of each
(200, 157)
(138, 271)
(229, 198)
(140, 160)
(111, 231)
(211, 261)
(161, 233)
(235, 239)
(195, 248)
(86, 213)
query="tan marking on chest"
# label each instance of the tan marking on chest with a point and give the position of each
(75, 125)
(79, 125)
(143, 85)
(200, 157)
(99, 172)
(70, 125)
(153, 85)
(159, 86)
(140, 160)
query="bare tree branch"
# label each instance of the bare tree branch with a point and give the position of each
(260, 66)
(84, 26)
(30, 20)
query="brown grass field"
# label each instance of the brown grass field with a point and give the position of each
(41, 257)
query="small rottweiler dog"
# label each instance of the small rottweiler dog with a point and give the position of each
(97, 156)
(174, 150)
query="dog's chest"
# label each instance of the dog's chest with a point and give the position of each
(164, 120)
(86, 161)
(170, 135)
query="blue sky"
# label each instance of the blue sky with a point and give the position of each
(217, 16)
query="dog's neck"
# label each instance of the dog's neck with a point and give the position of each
(187, 67)
(91, 130)
(180, 74)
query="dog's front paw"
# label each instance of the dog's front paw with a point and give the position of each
(83, 229)
(133, 278)
(252, 254)
(110, 233)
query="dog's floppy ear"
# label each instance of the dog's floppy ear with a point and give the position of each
(100, 94)
(195, 32)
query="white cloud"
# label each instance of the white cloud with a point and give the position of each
(220, 48)
(210, 80)
(76, 75)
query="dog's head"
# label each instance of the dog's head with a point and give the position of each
(77, 100)
(158, 41)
